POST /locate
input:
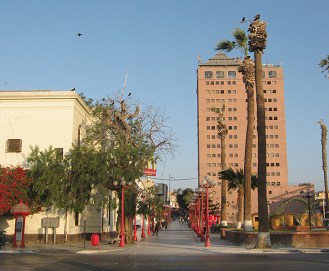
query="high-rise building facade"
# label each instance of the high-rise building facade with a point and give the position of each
(220, 85)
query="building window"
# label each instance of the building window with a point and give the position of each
(219, 74)
(208, 74)
(76, 218)
(231, 74)
(14, 145)
(272, 74)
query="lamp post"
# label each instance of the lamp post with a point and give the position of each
(201, 191)
(308, 195)
(207, 183)
(122, 185)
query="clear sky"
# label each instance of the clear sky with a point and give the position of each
(157, 43)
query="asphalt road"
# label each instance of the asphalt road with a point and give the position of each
(177, 248)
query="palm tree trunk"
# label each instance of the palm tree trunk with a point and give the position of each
(248, 159)
(223, 219)
(240, 207)
(325, 167)
(264, 240)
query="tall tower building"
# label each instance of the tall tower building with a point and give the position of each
(220, 84)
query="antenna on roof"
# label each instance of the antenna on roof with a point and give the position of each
(199, 60)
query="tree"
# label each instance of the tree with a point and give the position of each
(66, 183)
(222, 132)
(324, 64)
(236, 180)
(184, 197)
(14, 184)
(324, 132)
(247, 69)
(257, 44)
(129, 139)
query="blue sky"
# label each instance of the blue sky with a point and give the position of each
(157, 43)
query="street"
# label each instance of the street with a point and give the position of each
(176, 248)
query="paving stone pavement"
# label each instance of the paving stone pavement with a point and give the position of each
(177, 239)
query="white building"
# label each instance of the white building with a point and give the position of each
(46, 118)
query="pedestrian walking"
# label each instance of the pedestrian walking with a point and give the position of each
(156, 229)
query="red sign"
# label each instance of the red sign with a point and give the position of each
(150, 172)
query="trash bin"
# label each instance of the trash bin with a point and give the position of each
(2, 238)
(95, 239)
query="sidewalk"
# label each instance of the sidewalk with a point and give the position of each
(178, 239)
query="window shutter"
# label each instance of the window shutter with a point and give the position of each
(14, 145)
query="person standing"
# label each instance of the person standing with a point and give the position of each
(157, 227)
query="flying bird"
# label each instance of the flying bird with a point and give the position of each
(257, 17)
(129, 94)
(79, 34)
(73, 89)
(243, 20)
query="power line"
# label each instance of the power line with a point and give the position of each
(175, 180)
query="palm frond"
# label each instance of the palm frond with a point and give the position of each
(225, 45)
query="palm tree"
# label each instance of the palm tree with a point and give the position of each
(324, 164)
(257, 43)
(248, 71)
(236, 180)
(324, 64)
(222, 132)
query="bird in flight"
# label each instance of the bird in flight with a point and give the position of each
(73, 89)
(129, 94)
(79, 34)
(257, 17)
(243, 20)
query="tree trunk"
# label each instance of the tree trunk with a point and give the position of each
(65, 227)
(248, 159)
(240, 207)
(262, 196)
(223, 219)
(325, 167)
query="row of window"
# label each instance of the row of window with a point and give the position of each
(219, 74)
(212, 83)
(217, 91)
(233, 91)
(213, 155)
(270, 127)
(220, 100)
(232, 74)
(236, 136)
(275, 174)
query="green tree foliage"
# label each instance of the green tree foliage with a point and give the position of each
(184, 197)
(324, 64)
(65, 183)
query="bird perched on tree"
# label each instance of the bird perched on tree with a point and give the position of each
(79, 34)
(257, 17)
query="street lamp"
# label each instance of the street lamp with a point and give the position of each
(122, 185)
(207, 183)
(201, 191)
(308, 194)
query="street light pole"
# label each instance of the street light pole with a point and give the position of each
(122, 185)
(122, 239)
(207, 183)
